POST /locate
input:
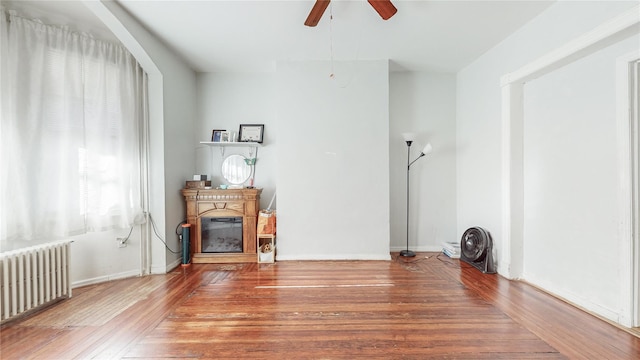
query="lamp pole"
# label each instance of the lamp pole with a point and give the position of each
(407, 252)
(426, 150)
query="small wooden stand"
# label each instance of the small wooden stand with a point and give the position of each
(263, 239)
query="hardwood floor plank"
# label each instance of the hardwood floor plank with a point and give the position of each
(562, 325)
(425, 307)
(336, 312)
(337, 349)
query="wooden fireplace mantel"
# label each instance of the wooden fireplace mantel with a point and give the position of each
(243, 203)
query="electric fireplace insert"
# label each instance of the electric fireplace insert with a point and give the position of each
(221, 234)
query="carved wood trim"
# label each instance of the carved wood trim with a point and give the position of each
(244, 203)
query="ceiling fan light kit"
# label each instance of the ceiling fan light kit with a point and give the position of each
(384, 8)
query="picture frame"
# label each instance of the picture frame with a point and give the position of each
(216, 135)
(225, 136)
(251, 133)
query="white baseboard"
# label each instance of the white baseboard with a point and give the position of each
(330, 257)
(583, 304)
(127, 274)
(105, 278)
(423, 248)
(174, 264)
(163, 269)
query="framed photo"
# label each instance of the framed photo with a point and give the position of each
(251, 133)
(216, 135)
(225, 136)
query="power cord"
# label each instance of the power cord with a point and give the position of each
(155, 231)
(179, 233)
(449, 263)
(415, 260)
(124, 241)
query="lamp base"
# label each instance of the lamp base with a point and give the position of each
(407, 253)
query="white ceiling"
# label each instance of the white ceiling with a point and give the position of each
(71, 13)
(249, 36)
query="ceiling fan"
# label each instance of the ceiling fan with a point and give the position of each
(384, 7)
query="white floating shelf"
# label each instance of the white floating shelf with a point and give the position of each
(229, 143)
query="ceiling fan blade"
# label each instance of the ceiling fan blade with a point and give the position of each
(384, 7)
(316, 12)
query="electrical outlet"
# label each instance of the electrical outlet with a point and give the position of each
(122, 242)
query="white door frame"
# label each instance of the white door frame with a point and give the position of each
(636, 195)
(511, 255)
(627, 92)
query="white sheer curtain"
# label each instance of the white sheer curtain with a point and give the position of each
(72, 109)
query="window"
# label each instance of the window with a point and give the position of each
(72, 111)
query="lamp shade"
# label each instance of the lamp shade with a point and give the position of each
(427, 149)
(409, 136)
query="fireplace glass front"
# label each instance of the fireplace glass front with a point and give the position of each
(221, 234)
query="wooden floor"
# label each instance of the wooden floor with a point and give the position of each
(418, 308)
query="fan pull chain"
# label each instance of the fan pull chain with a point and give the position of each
(331, 75)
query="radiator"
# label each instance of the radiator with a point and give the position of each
(33, 277)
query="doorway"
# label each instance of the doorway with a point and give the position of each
(511, 255)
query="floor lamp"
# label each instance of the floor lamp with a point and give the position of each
(408, 138)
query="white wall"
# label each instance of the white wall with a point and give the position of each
(180, 99)
(571, 181)
(226, 100)
(96, 257)
(419, 102)
(423, 103)
(479, 155)
(333, 160)
(172, 114)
